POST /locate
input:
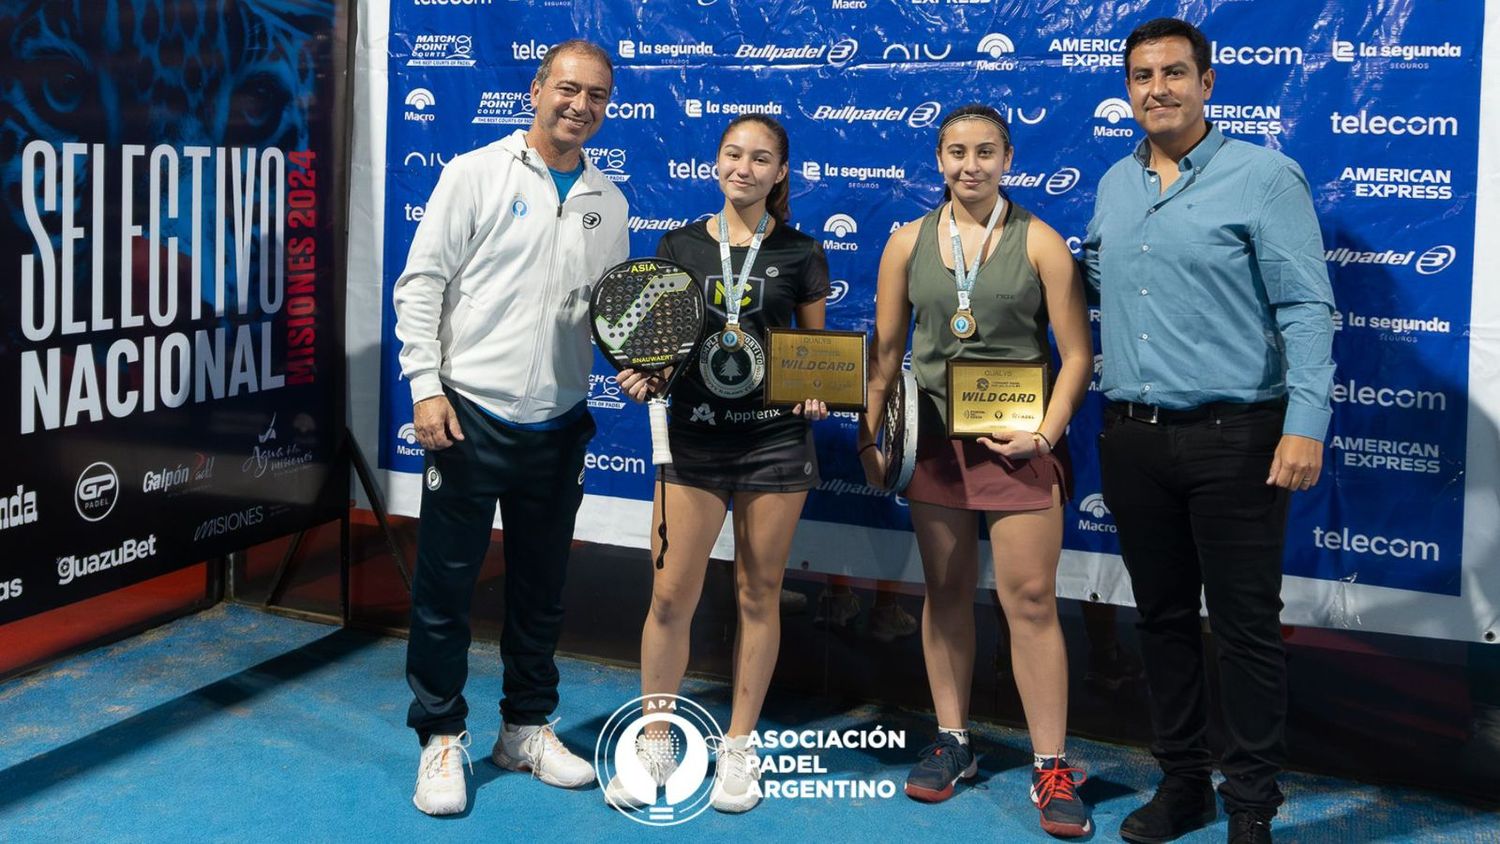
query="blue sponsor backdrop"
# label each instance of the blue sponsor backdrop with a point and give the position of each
(1379, 106)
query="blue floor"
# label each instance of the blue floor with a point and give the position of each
(235, 725)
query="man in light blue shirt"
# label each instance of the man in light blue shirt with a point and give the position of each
(1217, 337)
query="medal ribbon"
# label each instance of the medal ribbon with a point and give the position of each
(965, 278)
(735, 288)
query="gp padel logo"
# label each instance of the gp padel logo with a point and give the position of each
(96, 492)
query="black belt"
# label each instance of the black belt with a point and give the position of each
(1153, 415)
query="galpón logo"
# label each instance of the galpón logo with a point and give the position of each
(655, 749)
(97, 490)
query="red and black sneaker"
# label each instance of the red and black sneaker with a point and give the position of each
(943, 763)
(1054, 791)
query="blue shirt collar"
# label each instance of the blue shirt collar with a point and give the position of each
(1197, 157)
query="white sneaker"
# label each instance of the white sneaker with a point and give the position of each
(656, 757)
(538, 749)
(441, 789)
(736, 776)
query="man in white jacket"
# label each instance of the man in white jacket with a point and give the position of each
(492, 314)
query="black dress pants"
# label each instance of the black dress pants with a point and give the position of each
(1195, 514)
(537, 477)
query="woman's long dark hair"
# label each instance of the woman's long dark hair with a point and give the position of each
(971, 111)
(778, 202)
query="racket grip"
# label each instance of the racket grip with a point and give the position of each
(661, 452)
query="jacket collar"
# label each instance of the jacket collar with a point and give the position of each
(515, 144)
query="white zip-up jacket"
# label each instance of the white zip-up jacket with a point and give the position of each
(495, 295)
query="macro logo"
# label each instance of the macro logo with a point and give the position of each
(406, 441)
(998, 46)
(97, 490)
(812, 171)
(1113, 111)
(837, 290)
(914, 53)
(420, 99)
(840, 226)
(611, 162)
(1436, 259)
(1096, 517)
(442, 51)
(426, 159)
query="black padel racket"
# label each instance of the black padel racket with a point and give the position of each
(647, 314)
(898, 433)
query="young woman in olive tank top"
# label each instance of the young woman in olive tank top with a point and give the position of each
(1026, 281)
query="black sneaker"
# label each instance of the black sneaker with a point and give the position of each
(943, 763)
(1249, 828)
(1053, 786)
(1179, 806)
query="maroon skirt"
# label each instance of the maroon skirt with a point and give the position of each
(964, 475)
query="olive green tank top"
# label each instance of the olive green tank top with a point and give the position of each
(1009, 306)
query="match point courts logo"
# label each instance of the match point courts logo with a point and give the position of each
(664, 791)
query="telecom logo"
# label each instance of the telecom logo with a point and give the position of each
(1380, 546)
(453, 2)
(1399, 182)
(406, 442)
(914, 53)
(611, 162)
(97, 490)
(1397, 56)
(630, 111)
(1112, 111)
(1095, 514)
(18, 508)
(676, 786)
(837, 290)
(1352, 392)
(840, 226)
(615, 463)
(1420, 125)
(442, 51)
(420, 99)
(1260, 55)
(1436, 259)
(1253, 120)
(504, 108)
(1089, 53)
(998, 46)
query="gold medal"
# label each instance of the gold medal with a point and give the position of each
(962, 324)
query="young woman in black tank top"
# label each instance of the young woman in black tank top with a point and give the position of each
(727, 447)
(1010, 477)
